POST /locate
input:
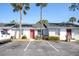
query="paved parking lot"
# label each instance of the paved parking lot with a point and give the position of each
(39, 48)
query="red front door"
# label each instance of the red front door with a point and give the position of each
(69, 34)
(69, 31)
(32, 33)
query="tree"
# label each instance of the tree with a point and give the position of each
(13, 22)
(21, 7)
(41, 5)
(78, 21)
(74, 7)
(43, 21)
(72, 19)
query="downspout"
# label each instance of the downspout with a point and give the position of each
(20, 21)
(41, 20)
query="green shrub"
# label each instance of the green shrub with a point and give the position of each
(24, 37)
(77, 41)
(37, 37)
(53, 38)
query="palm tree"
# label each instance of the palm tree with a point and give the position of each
(72, 19)
(21, 7)
(43, 21)
(74, 7)
(13, 22)
(41, 5)
(78, 21)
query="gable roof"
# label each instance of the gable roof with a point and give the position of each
(63, 24)
(49, 25)
(52, 25)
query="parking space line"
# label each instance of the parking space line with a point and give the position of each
(53, 46)
(27, 46)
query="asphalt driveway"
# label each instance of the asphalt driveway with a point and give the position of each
(39, 48)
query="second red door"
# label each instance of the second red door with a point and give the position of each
(32, 33)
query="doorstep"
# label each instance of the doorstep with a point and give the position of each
(20, 40)
(31, 39)
(73, 40)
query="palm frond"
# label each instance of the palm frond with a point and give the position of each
(41, 4)
(20, 6)
(72, 19)
(15, 7)
(27, 7)
(37, 4)
(44, 4)
(73, 7)
(24, 12)
(13, 4)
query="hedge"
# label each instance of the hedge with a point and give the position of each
(24, 37)
(52, 38)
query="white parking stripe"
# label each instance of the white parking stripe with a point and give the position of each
(27, 46)
(53, 46)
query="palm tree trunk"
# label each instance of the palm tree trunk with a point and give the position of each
(20, 23)
(15, 33)
(41, 20)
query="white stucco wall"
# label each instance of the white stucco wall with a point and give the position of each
(58, 32)
(75, 34)
(52, 32)
(62, 34)
(36, 33)
(17, 34)
(26, 32)
(12, 32)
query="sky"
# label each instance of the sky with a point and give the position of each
(54, 13)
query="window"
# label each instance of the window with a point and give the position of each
(39, 32)
(57, 32)
(43, 32)
(4, 31)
